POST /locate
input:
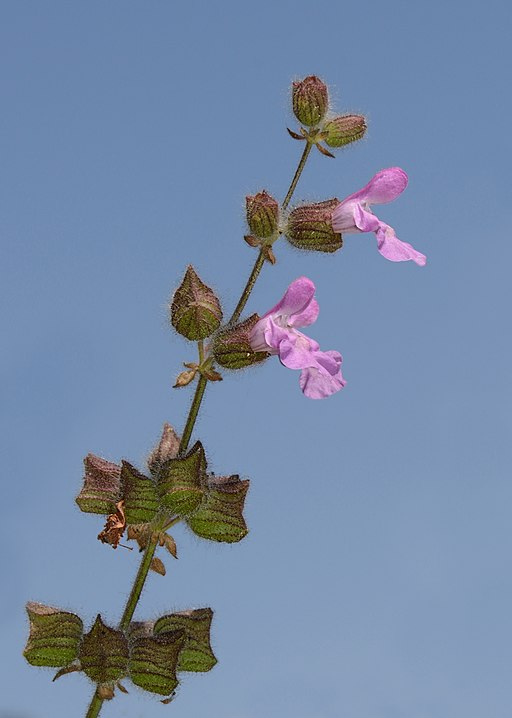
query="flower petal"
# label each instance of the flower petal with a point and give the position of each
(319, 383)
(394, 249)
(297, 351)
(298, 303)
(365, 221)
(385, 186)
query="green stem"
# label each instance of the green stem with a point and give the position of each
(95, 706)
(192, 414)
(296, 176)
(138, 584)
(200, 349)
(258, 265)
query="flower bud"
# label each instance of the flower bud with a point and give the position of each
(344, 129)
(220, 516)
(309, 227)
(104, 653)
(195, 309)
(180, 482)
(54, 638)
(310, 100)
(232, 349)
(262, 214)
(196, 653)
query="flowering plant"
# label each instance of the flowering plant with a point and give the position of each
(179, 485)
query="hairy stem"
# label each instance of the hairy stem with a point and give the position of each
(258, 265)
(94, 706)
(138, 585)
(192, 414)
(296, 176)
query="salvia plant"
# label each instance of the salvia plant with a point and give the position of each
(178, 485)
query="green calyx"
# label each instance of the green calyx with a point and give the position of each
(104, 653)
(154, 660)
(310, 100)
(139, 494)
(309, 227)
(344, 129)
(100, 491)
(180, 482)
(54, 638)
(195, 309)
(262, 212)
(196, 653)
(220, 516)
(232, 349)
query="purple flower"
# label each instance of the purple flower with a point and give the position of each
(353, 214)
(276, 332)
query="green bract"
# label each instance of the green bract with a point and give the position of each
(196, 653)
(220, 516)
(180, 482)
(139, 494)
(153, 661)
(101, 486)
(104, 653)
(54, 638)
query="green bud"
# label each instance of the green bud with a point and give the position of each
(232, 349)
(195, 309)
(310, 100)
(180, 482)
(153, 661)
(196, 654)
(262, 214)
(309, 227)
(104, 653)
(344, 129)
(139, 494)
(101, 488)
(220, 516)
(54, 638)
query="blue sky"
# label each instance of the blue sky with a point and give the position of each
(376, 578)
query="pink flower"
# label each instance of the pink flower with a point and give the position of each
(276, 333)
(353, 214)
